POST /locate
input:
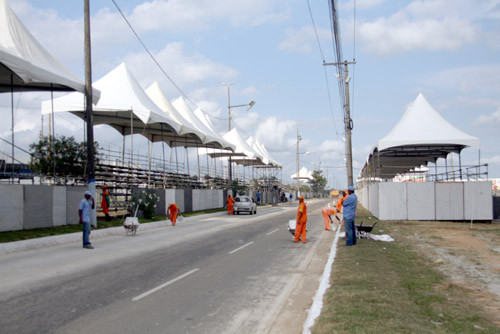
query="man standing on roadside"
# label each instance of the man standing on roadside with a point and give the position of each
(300, 226)
(350, 204)
(230, 205)
(172, 212)
(84, 211)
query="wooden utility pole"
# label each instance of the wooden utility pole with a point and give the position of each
(299, 138)
(347, 119)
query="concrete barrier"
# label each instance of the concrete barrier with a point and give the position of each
(11, 207)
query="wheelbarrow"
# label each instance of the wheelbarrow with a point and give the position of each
(131, 224)
(364, 231)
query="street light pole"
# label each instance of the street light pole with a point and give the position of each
(230, 167)
(88, 108)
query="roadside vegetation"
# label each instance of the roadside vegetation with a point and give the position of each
(392, 287)
(101, 224)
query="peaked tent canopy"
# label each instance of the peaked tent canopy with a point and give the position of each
(123, 105)
(252, 158)
(421, 136)
(205, 120)
(304, 174)
(193, 136)
(212, 139)
(25, 65)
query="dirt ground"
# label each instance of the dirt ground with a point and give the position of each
(469, 255)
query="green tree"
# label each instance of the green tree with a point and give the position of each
(64, 155)
(318, 182)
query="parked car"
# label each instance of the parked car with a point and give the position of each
(244, 204)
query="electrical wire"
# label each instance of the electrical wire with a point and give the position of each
(152, 57)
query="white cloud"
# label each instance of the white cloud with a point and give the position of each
(273, 132)
(495, 160)
(250, 91)
(422, 25)
(303, 41)
(491, 119)
(361, 4)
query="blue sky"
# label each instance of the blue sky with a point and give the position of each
(448, 50)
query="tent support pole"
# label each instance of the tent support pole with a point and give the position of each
(163, 154)
(198, 157)
(460, 163)
(12, 118)
(446, 166)
(176, 161)
(123, 147)
(53, 131)
(150, 152)
(131, 138)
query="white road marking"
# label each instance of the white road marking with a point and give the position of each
(237, 249)
(147, 293)
(273, 231)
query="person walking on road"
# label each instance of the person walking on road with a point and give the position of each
(172, 212)
(258, 197)
(350, 204)
(84, 211)
(300, 226)
(230, 205)
(327, 213)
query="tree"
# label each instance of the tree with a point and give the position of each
(62, 156)
(318, 182)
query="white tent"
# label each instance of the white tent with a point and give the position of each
(252, 158)
(422, 135)
(124, 105)
(304, 174)
(205, 120)
(25, 64)
(260, 148)
(212, 138)
(198, 137)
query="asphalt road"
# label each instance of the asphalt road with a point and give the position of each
(225, 274)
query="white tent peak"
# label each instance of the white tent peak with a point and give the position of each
(22, 54)
(422, 124)
(303, 174)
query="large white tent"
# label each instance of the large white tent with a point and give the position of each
(25, 65)
(304, 174)
(251, 157)
(189, 129)
(421, 136)
(124, 105)
(211, 137)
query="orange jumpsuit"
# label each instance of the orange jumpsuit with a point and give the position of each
(327, 212)
(300, 228)
(230, 204)
(173, 209)
(105, 200)
(341, 200)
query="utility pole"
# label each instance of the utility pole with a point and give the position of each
(230, 167)
(299, 138)
(88, 108)
(348, 125)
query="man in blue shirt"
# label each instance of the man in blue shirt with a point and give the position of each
(84, 211)
(350, 204)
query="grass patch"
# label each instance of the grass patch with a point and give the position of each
(101, 224)
(380, 287)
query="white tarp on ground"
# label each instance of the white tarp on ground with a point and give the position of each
(121, 96)
(34, 67)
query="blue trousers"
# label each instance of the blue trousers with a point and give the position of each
(86, 233)
(350, 232)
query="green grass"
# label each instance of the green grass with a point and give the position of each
(101, 224)
(380, 287)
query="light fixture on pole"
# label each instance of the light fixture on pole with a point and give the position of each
(229, 107)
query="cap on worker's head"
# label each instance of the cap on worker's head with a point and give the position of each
(300, 198)
(88, 193)
(104, 187)
(351, 188)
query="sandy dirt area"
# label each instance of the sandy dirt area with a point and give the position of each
(468, 255)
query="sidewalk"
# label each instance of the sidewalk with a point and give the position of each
(17, 246)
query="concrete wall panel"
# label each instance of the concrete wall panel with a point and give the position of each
(478, 200)
(59, 207)
(38, 206)
(11, 207)
(421, 201)
(73, 197)
(373, 202)
(449, 201)
(392, 201)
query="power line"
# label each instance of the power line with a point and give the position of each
(152, 57)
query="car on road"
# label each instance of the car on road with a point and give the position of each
(244, 204)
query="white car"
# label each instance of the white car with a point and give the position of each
(244, 204)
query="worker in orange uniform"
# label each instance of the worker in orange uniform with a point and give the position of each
(105, 202)
(341, 200)
(327, 212)
(230, 205)
(173, 211)
(300, 227)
